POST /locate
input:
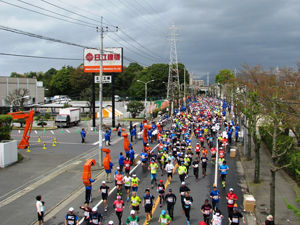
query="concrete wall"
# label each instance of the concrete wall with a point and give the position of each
(9, 84)
(8, 153)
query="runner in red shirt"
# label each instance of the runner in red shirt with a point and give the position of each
(231, 199)
(127, 164)
(119, 206)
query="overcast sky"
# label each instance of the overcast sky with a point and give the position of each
(212, 34)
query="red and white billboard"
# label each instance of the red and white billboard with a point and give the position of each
(112, 60)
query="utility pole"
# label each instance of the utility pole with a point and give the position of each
(94, 104)
(100, 95)
(173, 90)
(101, 30)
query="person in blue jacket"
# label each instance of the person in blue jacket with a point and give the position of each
(88, 191)
(131, 153)
(121, 161)
(83, 134)
(107, 137)
(134, 132)
(237, 128)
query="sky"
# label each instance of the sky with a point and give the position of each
(211, 34)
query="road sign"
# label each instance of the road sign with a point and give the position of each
(105, 79)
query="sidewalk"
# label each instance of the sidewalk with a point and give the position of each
(285, 189)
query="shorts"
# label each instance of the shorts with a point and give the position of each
(135, 189)
(148, 208)
(104, 196)
(170, 175)
(223, 177)
(136, 208)
(127, 187)
(153, 176)
(41, 217)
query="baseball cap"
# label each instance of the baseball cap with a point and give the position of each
(161, 181)
(163, 212)
(111, 222)
(183, 183)
(94, 209)
(103, 182)
(134, 175)
(118, 197)
(230, 189)
(71, 209)
(132, 212)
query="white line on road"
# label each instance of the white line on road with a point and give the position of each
(35, 132)
(68, 131)
(52, 132)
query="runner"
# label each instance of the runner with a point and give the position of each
(182, 172)
(164, 218)
(127, 184)
(231, 199)
(87, 210)
(234, 218)
(132, 219)
(148, 204)
(188, 200)
(217, 218)
(223, 171)
(196, 168)
(104, 189)
(135, 183)
(204, 160)
(171, 200)
(119, 206)
(169, 169)
(161, 192)
(135, 202)
(206, 210)
(153, 172)
(71, 218)
(215, 197)
(95, 217)
(127, 164)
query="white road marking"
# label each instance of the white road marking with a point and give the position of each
(52, 132)
(35, 132)
(68, 131)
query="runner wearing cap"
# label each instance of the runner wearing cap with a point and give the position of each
(164, 218)
(110, 222)
(104, 189)
(135, 182)
(127, 185)
(234, 218)
(71, 218)
(87, 210)
(171, 200)
(183, 188)
(132, 219)
(231, 199)
(95, 217)
(119, 206)
(153, 171)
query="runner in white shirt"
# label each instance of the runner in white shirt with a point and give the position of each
(127, 184)
(169, 168)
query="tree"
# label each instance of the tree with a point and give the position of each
(60, 82)
(5, 127)
(135, 108)
(16, 98)
(224, 76)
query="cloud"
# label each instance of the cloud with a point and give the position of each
(211, 34)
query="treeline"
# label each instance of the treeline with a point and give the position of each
(78, 85)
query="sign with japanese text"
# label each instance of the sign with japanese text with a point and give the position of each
(112, 60)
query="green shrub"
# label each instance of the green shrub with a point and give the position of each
(47, 116)
(5, 127)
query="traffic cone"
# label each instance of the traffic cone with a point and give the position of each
(44, 131)
(39, 139)
(44, 146)
(54, 141)
(61, 131)
(53, 144)
(28, 148)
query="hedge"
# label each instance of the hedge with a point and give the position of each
(5, 127)
(283, 140)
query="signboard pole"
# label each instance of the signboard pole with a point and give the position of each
(94, 104)
(113, 99)
(100, 95)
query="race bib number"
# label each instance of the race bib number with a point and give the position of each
(223, 170)
(196, 165)
(163, 220)
(133, 201)
(103, 191)
(148, 201)
(230, 201)
(182, 193)
(216, 197)
(235, 220)
(207, 212)
(95, 221)
(170, 199)
(204, 160)
(86, 214)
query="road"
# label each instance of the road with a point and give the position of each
(55, 173)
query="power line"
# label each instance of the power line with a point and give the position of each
(44, 14)
(37, 57)
(40, 36)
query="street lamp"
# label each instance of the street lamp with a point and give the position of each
(11, 104)
(145, 93)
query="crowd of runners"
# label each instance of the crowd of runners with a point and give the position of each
(177, 154)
